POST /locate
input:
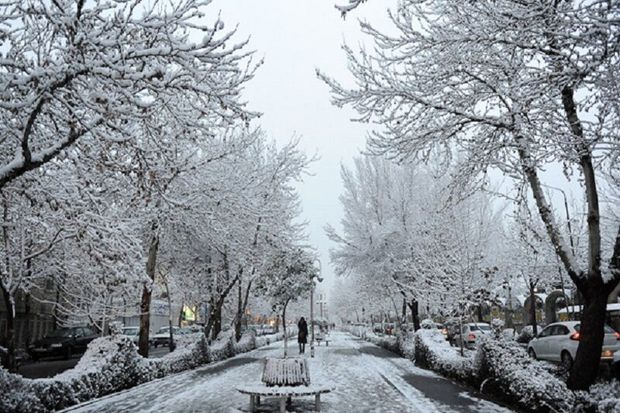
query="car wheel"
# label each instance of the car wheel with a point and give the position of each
(531, 352)
(567, 360)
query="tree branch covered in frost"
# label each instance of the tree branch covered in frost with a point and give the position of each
(83, 72)
(346, 8)
(498, 82)
(401, 230)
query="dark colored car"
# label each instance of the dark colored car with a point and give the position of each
(63, 342)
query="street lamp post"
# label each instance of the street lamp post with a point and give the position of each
(312, 309)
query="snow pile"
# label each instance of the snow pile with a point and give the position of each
(432, 351)
(509, 373)
(603, 398)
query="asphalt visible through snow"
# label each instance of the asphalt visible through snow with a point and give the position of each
(366, 378)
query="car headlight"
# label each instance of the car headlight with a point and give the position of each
(56, 345)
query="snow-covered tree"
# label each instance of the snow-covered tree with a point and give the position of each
(78, 73)
(401, 226)
(290, 275)
(513, 86)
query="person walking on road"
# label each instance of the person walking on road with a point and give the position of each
(302, 334)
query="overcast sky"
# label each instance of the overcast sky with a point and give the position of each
(295, 37)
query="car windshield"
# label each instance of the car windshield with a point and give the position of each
(61, 332)
(608, 330)
(481, 327)
(131, 331)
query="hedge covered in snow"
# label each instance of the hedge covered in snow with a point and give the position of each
(111, 364)
(508, 372)
(499, 367)
(406, 344)
(432, 351)
(602, 398)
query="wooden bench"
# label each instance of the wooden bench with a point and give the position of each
(283, 393)
(284, 379)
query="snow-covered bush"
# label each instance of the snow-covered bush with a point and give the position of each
(525, 335)
(222, 348)
(432, 351)
(246, 343)
(602, 398)
(498, 326)
(190, 352)
(427, 324)
(508, 372)
(406, 344)
(16, 395)
(509, 334)
(110, 364)
(387, 342)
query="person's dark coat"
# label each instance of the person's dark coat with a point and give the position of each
(302, 335)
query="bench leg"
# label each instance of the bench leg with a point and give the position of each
(257, 400)
(252, 403)
(317, 403)
(283, 405)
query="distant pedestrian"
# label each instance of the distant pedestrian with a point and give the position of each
(302, 335)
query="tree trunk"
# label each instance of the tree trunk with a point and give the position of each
(415, 316)
(533, 309)
(404, 312)
(284, 329)
(214, 325)
(145, 304)
(591, 334)
(181, 313)
(479, 311)
(10, 363)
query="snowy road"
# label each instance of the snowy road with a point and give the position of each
(367, 379)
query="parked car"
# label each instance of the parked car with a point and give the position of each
(389, 328)
(471, 333)
(442, 329)
(133, 333)
(62, 342)
(162, 337)
(559, 342)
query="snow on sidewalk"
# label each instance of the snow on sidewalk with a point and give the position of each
(367, 379)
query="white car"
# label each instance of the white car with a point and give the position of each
(471, 333)
(559, 342)
(132, 333)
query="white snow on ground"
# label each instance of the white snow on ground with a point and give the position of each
(367, 379)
